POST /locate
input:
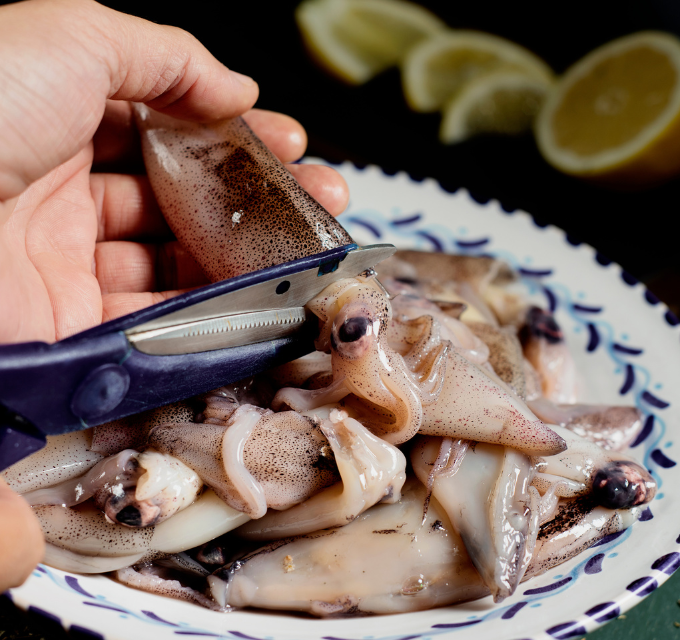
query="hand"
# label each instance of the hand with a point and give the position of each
(76, 247)
(21, 540)
(70, 255)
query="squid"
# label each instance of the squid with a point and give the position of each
(497, 498)
(257, 460)
(610, 427)
(63, 458)
(234, 207)
(545, 348)
(83, 540)
(613, 479)
(133, 431)
(352, 569)
(505, 355)
(406, 306)
(431, 389)
(371, 469)
(481, 283)
(161, 578)
(578, 524)
(492, 506)
(132, 489)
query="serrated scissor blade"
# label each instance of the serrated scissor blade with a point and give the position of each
(298, 289)
(220, 333)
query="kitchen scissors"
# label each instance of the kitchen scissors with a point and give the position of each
(170, 351)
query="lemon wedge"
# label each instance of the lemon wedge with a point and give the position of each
(614, 117)
(500, 102)
(357, 39)
(437, 68)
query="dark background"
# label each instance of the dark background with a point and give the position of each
(372, 124)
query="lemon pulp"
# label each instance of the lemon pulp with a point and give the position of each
(615, 101)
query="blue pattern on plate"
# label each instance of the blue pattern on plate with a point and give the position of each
(594, 565)
(643, 586)
(585, 309)
(567, 630)
(605, 611)
(668, 564)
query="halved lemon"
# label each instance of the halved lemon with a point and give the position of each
(614, 117)
(437, 68)
(502, 102)
(356, 39)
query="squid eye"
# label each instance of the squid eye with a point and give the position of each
(618, 487)
(353, 329)
(125, 509)
(354, 333)
(542, 324)
(130, 516)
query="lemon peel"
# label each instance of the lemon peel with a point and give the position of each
(357, 39)
(500, 102)
(439, 67)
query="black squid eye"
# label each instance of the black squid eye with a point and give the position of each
(130, 516)
(542, 324)
(612, 489)
(353, 329)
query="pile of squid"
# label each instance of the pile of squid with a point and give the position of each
(432, 450)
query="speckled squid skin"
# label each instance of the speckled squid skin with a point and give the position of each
(228, 199)
(430, 389)
(578, 524)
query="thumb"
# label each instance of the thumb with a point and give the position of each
(61, 59)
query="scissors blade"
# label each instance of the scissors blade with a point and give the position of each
(220, 333)
(278, 293)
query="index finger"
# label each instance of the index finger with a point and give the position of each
(117, 146)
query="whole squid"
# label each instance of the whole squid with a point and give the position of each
(427, 387)
(228, 199)
(491, 504)
(388, 560)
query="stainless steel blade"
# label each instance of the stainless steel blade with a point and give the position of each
(304, 285)
(220, 333)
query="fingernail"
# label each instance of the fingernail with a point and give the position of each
(246, 81)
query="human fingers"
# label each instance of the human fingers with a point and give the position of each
(21, 540)
(61, 60)
(132, 267)
(116, 305)
(324, 184)
(127, 209)
(285, 136)
(116, 142)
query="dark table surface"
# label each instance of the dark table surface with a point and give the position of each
(371, 124)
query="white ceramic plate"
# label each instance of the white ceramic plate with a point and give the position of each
(627, 347)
